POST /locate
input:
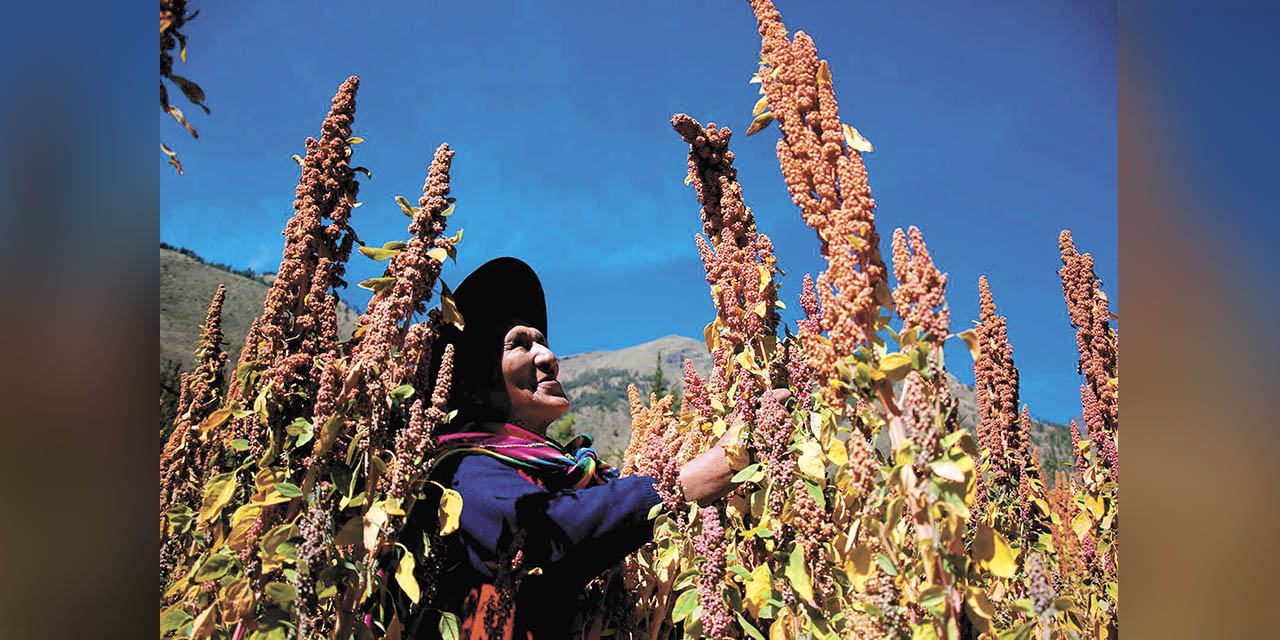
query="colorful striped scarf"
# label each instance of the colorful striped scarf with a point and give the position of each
(574, 466)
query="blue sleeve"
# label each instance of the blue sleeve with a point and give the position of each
(573, 533)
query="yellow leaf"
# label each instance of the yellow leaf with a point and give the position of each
(449, 512)
(236, 601)
(761, 105)
(896, 366)
(824, 72)
(377, 254)
(217, 493)
(811, 461)
(761, 309)
(981, 607)
(737, 456)
(215, 419)
(297, 158)
(688, 178)
(758, 589)
(1081, 524)
(241, 521)
(374, 522)
(778, 630)
(329, 433)
(837, 453)
(404, 577)
(746, 361)
(355, 140)
(449, 308)
(992, 551)
(204, 623)
(378, 284)
(854, 140)
(858, 565)
(760, 123)
(269, 477)
(970, 338)
(438, 254)
(712, 336)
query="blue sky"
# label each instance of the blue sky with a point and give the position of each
(994, 126)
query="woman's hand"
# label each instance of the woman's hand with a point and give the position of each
(708, 477)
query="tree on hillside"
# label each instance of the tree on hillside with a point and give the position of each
(657, 385)
(562, 430)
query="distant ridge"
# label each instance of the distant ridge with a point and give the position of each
(596, 382)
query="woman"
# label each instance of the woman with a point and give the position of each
(567, 514)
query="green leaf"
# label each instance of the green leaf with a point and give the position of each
(288, 489)
(933, 597)
(174, 617)
(214, 567)
(239, 444)
(351, 533)
(407, 208)
(895, 366)
(402, 392)
(395, 245)
(798, 575)
(751, 473)
(751, 630)
(377, 255)
(886, 564)
(447, 212)
(281, 592)
(654, 511)
(448, 626)
(684, 605)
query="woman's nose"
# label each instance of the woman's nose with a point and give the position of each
(545, 359)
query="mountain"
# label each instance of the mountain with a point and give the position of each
(596, 382)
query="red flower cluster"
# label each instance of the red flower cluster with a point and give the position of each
(695, 392)
(184, 457)
(739, 261)
(414, 442)
(1066, 544)
(828, 182)
(919, 294)
(369, 378)
(1096, 340)
(772, 438)
(298, 321)
(1001, 433)
(710, 543)
(813, 530)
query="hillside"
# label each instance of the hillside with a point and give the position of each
(596, 382)
(187, 286)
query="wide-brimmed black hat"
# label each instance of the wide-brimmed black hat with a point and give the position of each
(497, 293)
(499, 290)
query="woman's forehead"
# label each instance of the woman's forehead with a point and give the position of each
(516, 327)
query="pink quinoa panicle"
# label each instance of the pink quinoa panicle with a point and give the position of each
(368, 378)
(711, 544)
(1096, 340)
(919, 296)
(827, 181)
(738, 261)
(1001, 433)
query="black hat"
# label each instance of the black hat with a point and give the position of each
(499, 290)
(497, 293)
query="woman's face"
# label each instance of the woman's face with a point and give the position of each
(529, 370)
